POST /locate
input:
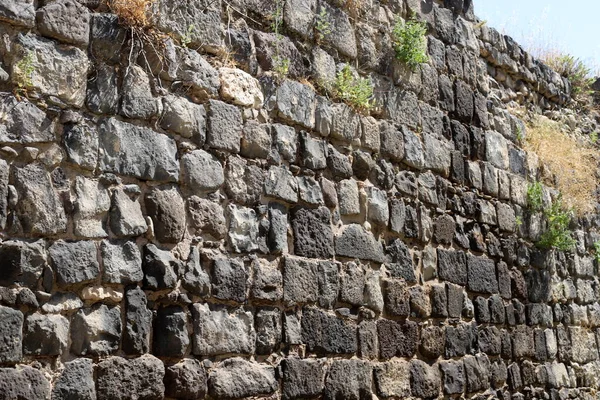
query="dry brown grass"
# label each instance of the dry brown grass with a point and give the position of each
(133, 13)
(572, 161)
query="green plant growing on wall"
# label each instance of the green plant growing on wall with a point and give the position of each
(597, 250)
(186, 37)
(24, 70)
(410, 42)
(322, 25)
(280, 65)
(357, 92)
(535, 196)
(557, 234)
(594, 137)
(575, 70)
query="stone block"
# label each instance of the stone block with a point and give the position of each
(96, 331)
(230, 280)
(120, 379)
(251, 379)
(219, 331)
(325, 333)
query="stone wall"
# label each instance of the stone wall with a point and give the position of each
(178, 222)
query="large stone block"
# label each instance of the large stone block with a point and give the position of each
(281, 184)
(25, 123)
(206, 216)
(220, 332)
(302, 378)
(159, 268)
(22, 262)
(137, 100)
(126, 218)
(355, 242)
(230, 280)
(186, 380)
(170, 336)
(300, 283)
(240, 88)
(268, 330)
(424, 379)
(23, 383)
(243, 229)
(349, 379)
(184, 118)
(267, 280)
(138, 322)
(325, 333)
(193, 277)
(122, 262)
(118, 378)
(224, 126)
(76, 381)
(392, 379)
(45, 335)
(74, 262)
(482, 275)
(397, 338)
(342, 36)
(453, 380)
(296, 103)
(138, 152)
(39, 210)
(91, 208)
(96, 331)
(201, 171)
(313, 235)
(452, 266)
(11, 336)
(237, 378)
(56, 70)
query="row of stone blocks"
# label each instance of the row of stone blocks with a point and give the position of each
(146, 377)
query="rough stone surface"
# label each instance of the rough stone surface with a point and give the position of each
(55, 70)
(159, 268)
(237, 378)
(40, 211)
(313, 236)
(186, 380)
(138, 322)
(45, 334)
(138, 152)
(23, 383)
(76, 381)
(220, 332)
(11, 335)
(356, 242)
(349, 379)
(96, 330)
(120, 378)
(74, 262)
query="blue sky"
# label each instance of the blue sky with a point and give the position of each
(570, 27)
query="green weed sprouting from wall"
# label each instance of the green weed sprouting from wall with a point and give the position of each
(24, 70)
(410, 42)
(357, 92)
(322, 25)
(535, 196)
(557, 233)
(597, 251)
(575, 70)
(281, 65)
